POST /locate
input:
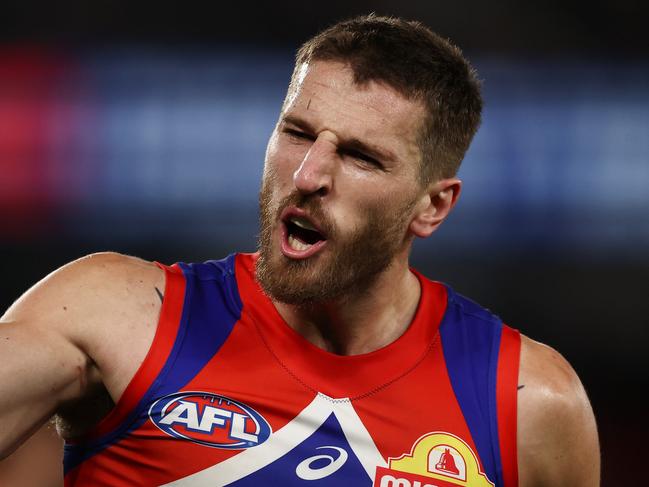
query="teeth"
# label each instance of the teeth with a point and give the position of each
(302, 223)
(297, 244)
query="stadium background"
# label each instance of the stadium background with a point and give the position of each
(142, 128)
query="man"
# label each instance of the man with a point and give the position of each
(323, 357)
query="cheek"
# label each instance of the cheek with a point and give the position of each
(271, 155)
(384, 206)
(282, 160)
(357, 192)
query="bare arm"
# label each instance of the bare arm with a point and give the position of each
(42, 364)
(44, 450)
(557, 434)
(87, 325)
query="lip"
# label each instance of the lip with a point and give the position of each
(291, 211)
(289, 251)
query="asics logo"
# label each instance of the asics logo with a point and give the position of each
(320, 466)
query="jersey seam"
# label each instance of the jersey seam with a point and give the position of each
(364, 395)
(480, 316)
(380, 388)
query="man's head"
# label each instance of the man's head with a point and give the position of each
(363, 157)
(418, 64)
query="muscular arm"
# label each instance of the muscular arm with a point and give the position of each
(86, 326)
(45, 450)
(557, 434)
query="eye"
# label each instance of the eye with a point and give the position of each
(297, 134)
(363, 158)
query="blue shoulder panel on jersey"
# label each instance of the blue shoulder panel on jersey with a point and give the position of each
(214, 309)
(471, 342)
(211, 308)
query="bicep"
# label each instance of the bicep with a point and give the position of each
(42, 363)
(89, 323)
(557, 434)
(40, 369)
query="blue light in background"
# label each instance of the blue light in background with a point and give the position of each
(176, 140)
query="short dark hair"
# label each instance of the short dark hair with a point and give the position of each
(418, 64)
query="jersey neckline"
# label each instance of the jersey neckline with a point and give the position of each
(339, 376)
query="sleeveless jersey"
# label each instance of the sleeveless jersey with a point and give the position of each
(229, 394)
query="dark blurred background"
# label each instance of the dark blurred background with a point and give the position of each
(142, 129)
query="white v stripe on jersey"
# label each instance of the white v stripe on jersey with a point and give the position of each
(289, 437)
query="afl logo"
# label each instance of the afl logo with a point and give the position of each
(209, 420)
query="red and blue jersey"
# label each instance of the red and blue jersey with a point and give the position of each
(229, 394)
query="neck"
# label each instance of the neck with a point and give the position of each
(363, 321)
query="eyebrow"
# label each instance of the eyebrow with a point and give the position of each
(350, 144)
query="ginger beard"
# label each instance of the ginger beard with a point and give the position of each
(348, 265)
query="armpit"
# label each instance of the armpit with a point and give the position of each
(78, 418)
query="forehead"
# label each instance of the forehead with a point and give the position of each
(325, 96)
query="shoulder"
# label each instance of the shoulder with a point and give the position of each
(104, 305)
(102, 268)
(109, 288)
(557, 434)
(89, 284)
(106, 269)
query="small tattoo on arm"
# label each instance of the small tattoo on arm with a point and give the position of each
(160, 295)
(521, 386)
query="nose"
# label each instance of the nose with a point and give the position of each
(315, 174)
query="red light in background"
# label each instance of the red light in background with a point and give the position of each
(31, 81)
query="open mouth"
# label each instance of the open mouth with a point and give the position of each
(301, 238)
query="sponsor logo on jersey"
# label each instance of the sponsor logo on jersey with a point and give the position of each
(436, 459)
(210, 420)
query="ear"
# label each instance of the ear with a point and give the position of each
(434, 206)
